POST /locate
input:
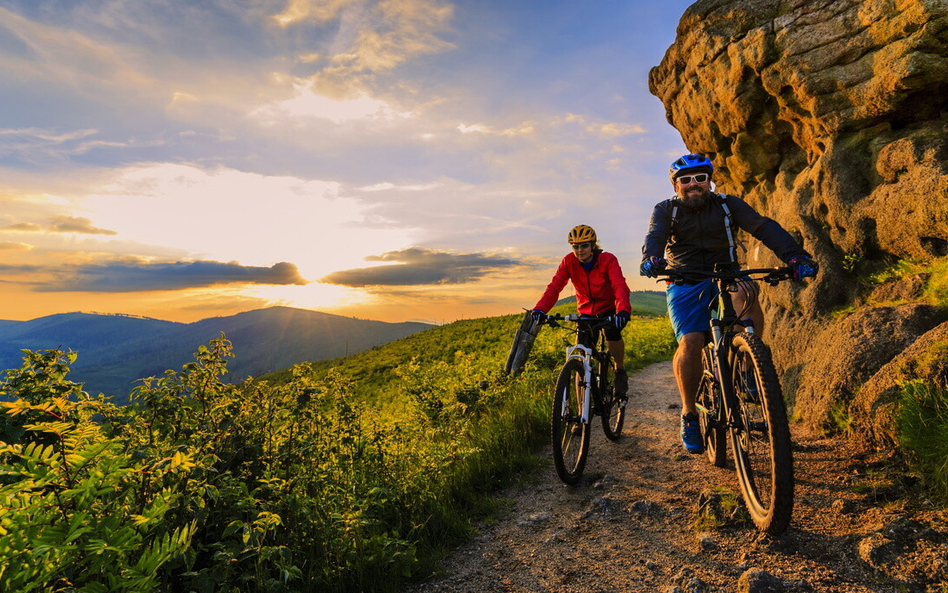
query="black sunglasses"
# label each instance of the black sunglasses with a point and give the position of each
(698, 178)
(578, 246)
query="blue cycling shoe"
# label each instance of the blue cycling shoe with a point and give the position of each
(691, 434)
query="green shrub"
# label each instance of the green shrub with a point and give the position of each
(76, 511)
(922, 429)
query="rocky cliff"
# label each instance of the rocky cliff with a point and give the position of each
(829, 116)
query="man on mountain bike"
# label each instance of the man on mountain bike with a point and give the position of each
(600, 290)
(697, 230)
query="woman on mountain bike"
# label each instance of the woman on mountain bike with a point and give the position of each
(600, 288)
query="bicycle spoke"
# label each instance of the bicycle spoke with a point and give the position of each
(708, 406)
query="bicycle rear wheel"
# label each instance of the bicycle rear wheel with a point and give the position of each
(760, 436)
(713, 429)
(613, 409)
(570, 434)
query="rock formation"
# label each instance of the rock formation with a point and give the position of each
(830, 116)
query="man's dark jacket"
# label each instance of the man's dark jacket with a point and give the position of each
(698, 238)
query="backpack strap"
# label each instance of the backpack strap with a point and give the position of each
(728, 228)
(728, 224)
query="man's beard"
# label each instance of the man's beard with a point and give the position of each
(694, 200)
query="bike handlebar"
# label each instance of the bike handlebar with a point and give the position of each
(597, 321)
(771, 276)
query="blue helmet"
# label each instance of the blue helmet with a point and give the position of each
(690, 163)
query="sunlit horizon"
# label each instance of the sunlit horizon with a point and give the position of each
(414, 161)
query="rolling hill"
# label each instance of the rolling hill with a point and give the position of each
(117, 350)
(644, 302)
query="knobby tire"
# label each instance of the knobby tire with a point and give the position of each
(613, 410)
(570, 436)
(760, 436)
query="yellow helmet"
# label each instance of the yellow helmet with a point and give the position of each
(582, 234)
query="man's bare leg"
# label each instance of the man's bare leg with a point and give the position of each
(687, 367)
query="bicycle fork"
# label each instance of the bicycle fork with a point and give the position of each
(582, 354)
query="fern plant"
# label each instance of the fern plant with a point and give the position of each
(73, 512)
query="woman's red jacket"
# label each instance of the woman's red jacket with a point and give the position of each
(600, 290)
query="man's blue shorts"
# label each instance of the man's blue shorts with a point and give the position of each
(688, 306)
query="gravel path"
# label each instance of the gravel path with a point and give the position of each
(629, 524)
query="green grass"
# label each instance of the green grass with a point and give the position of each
(922, 429)
(718, 508)
(936, 289)
(839, 420)
(478, 347)
(873, 273)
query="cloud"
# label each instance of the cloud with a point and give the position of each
(131, 276)
(76, 224)
(421, 267)
(38, 140)
(66, 56)
(387, 185)
(14, 246)
(359, 40)
(25, 227)
(602, 130)
(375, 36)
(309, 103)
(298, 11)
(613, 130)
(61, 224)
(524, 129)
(39, 144)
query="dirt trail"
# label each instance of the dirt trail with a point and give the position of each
(628, 525)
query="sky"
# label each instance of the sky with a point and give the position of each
(394, 160)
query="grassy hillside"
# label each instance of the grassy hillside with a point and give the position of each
(343, 476)
(470, 352)
(648, 302)
(644, 302)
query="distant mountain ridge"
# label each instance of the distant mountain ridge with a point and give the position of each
(115, 351)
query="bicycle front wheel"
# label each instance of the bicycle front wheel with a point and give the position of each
(522, 344)
(613, 409)
(570, 434)
(760, 435)
(709, 413)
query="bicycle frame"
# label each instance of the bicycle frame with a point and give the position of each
(722, 329)
(586, 355)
